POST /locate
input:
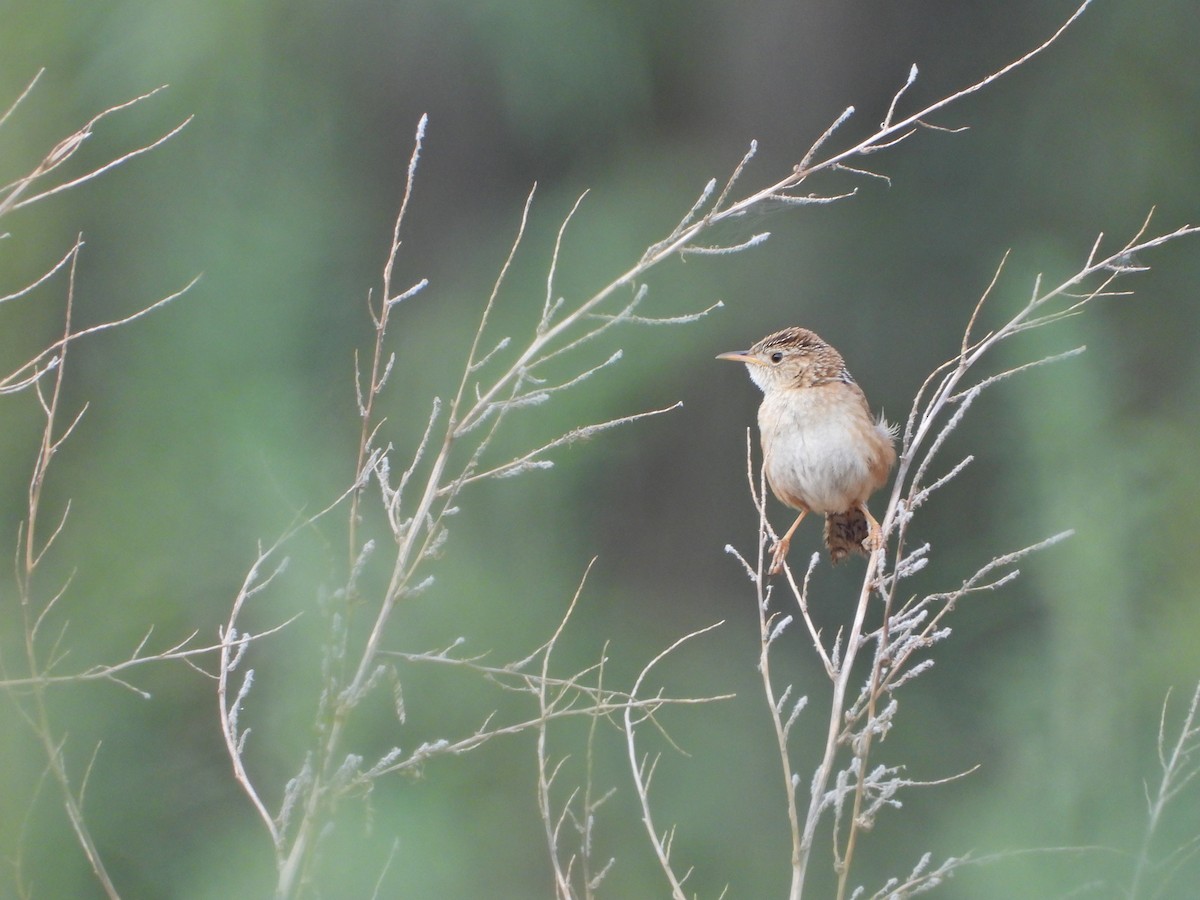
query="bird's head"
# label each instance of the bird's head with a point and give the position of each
(791, 358)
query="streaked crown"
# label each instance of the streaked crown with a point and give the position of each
(793, 357)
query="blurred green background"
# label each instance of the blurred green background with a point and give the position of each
(214, 422)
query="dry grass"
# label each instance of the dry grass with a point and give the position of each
(416, 495)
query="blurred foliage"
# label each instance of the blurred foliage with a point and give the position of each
(213, 423)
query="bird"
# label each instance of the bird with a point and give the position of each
(823, 452)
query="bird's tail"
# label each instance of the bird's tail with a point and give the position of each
(845, 533)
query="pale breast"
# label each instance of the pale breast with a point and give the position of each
(822, 450)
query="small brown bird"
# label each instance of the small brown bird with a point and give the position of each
(822, 450)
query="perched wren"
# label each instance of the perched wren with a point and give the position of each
(822, 450)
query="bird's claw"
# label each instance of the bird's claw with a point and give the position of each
(778, 555)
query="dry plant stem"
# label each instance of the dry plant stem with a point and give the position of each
(10, 194)
(643, 769)
(296, 857)
(375, 894)
(929, 424)
(839, 670)
(44, 277)
(548, 707)
(489, 732)
(233, 646)
(29, 692)
(889, 134)
(553, 826)
(32, 370)
(936, 411)
(419, 528)
(402, 569)
(598, 700)
(25, 93)
(415, 540)
(1180, 765)
(463, 417)
(381, 363)
(46, 359)
(841, 674)
(177, 652)
(925, 412)
(782, 729)
(591, 803)
(843, 861)
(32, 551)
(770, 626)
(833, 732)
(683, 235)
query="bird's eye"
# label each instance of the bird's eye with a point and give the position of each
(777, 356)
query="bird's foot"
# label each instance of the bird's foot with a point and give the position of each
(874, 539)
(778, 555)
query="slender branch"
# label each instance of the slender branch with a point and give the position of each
(770, 628)
(48, 358)
(380, 368)
(30, 555)
(642, 775)
(67, 148)
(562, 880)
(1180, 765)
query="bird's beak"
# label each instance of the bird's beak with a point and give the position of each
(742, 356)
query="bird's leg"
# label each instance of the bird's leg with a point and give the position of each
(779, 551)
(874, 538)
